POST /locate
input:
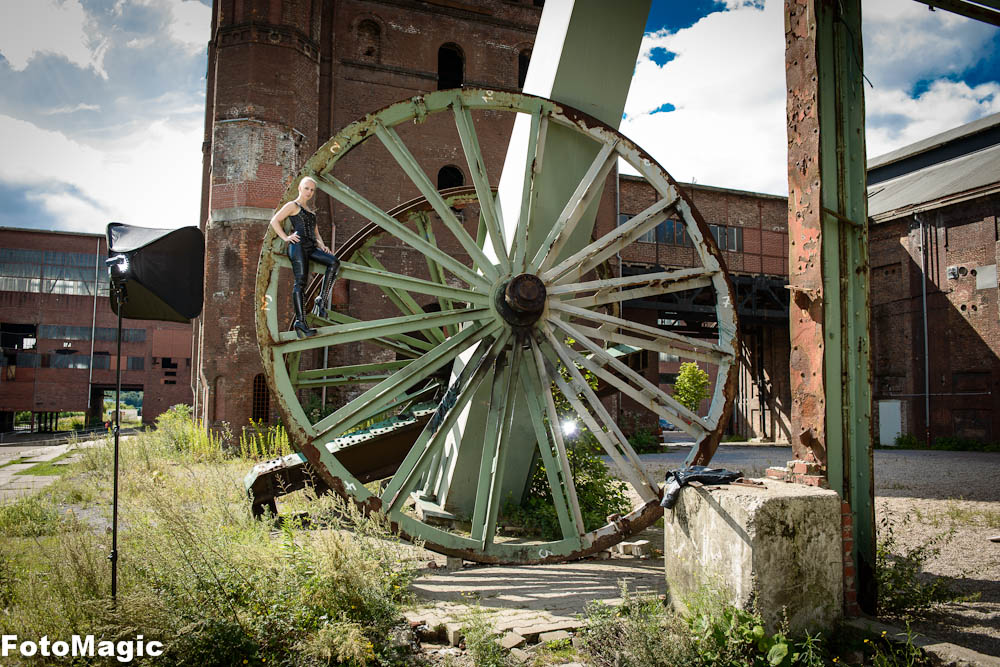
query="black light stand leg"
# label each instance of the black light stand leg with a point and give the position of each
(120, 298)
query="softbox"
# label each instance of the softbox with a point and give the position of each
(163, 269)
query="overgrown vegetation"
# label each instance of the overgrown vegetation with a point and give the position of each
(691, 387)
(482, 641)
(195, 570)
(600, 495)
(945, 443)
(646, 632)
(904, 591)
(643, 441)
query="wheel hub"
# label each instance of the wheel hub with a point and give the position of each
(522, 300)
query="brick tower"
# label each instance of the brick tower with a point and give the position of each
(283, 75)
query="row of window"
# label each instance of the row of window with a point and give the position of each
(451, 58)
(50, 257)
(78, 361)
(673, 232)
(64, 332)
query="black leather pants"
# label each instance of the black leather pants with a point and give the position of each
(301, 254)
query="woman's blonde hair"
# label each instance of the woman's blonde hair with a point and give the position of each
(307, 178)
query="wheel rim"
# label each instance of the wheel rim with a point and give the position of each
(508, 318)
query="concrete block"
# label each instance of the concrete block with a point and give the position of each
(453, 633)
(511, 640)
(454, 564)
(520, 656)
(778, 544)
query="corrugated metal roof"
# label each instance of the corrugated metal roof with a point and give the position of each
(972, 175)
(935, 141)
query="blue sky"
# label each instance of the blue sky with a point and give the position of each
(102, 103)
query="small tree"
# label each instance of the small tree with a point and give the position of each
(691, 386)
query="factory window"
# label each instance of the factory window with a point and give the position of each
(369, 41)
(102, 361)
(261, 399)
(64, 332)
(728, 238)
(49, 272)
(451, 67)
(523, 58)
(450, 177)
(136, 363)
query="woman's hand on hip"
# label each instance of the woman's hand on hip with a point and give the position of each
(292, 238)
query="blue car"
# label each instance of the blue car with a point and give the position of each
(666, 426)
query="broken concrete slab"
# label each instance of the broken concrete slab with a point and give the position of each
(554, 636)
(512, 640)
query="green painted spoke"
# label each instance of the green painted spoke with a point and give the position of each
(378, 397)
(358, 331)
(366, 274)
(370, 211)
(548, 433)
(589, 188)
(489, 212)
(423, 225)
(637, 387)
(529, 193)
(612, 440)
(401, 344)
(590, 256)
(355, 369)
(695, 343)
(400, 298)
(405, 158)
(495, 445)
(665, 279)
(436, 431)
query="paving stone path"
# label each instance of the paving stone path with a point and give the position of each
(14, 485)
(525, 602)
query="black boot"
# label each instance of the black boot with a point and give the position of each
(322, 303)
(301, 328)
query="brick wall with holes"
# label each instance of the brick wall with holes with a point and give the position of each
(963, 323)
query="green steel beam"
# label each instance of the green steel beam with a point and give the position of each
(828, 229)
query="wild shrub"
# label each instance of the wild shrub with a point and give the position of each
(481, 641)
(904, 590)
(599, 494)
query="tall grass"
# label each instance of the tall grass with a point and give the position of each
(195, 570)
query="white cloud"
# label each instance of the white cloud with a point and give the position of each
(945, 105)
(191, 24)
(904, 42)
(726, 83)
(61, 28)
(71, 109)
(150, 178)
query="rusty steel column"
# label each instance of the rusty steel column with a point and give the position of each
(830, 365)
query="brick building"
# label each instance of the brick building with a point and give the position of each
(751, 229)
(59, 334)
(283, 76)
(934, 252)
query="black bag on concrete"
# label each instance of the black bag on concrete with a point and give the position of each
(678, 478)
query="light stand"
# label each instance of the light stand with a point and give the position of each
(165, 270)
(118, 267)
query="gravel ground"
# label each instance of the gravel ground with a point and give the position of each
(926, 495)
